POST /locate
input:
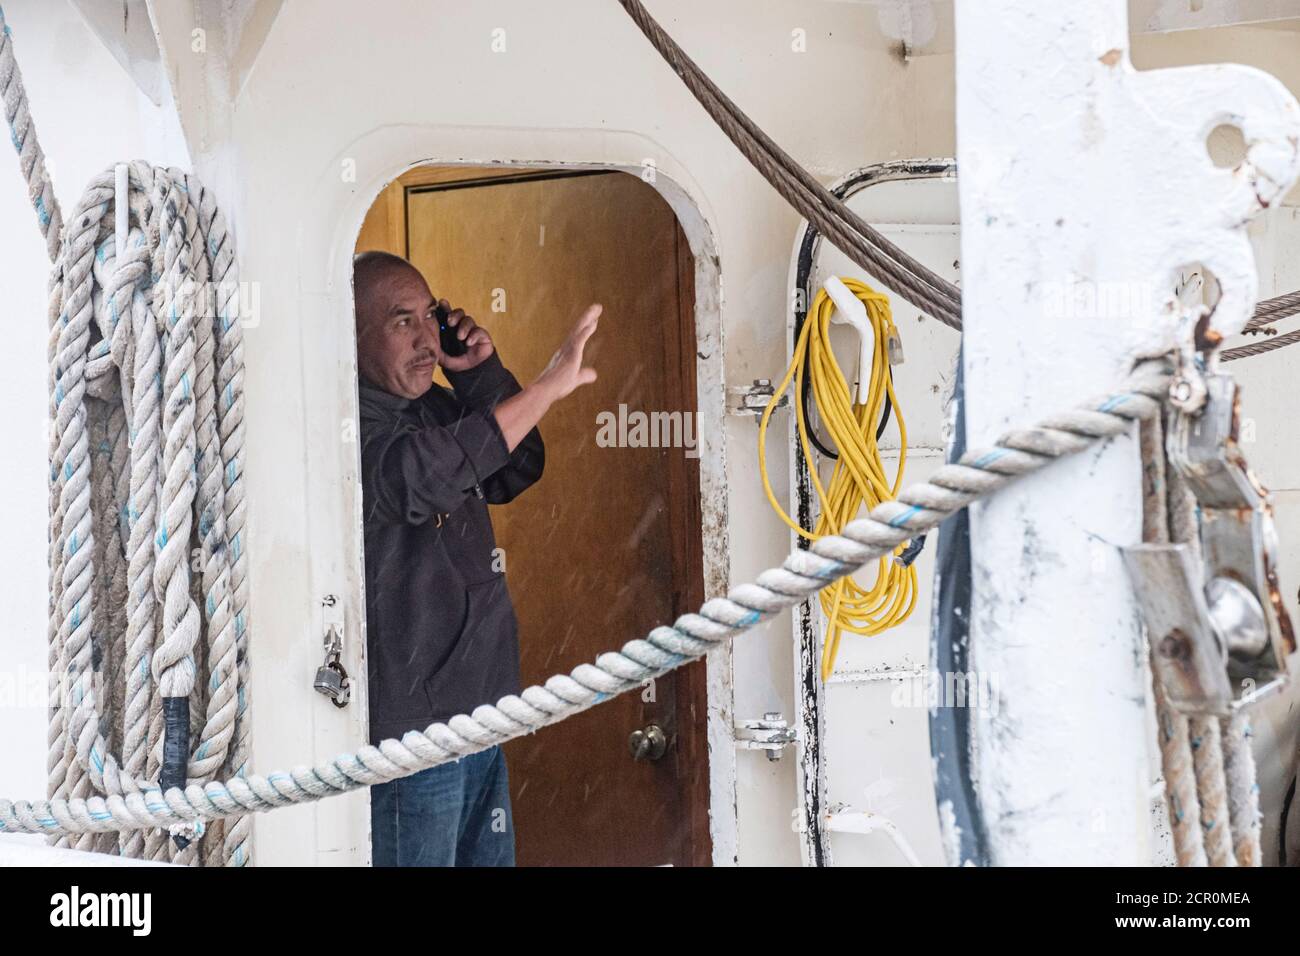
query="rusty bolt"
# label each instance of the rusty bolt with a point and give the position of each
(1176, 646)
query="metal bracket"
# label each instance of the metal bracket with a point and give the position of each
(753, 399)
(770, 733)
(1220, 631)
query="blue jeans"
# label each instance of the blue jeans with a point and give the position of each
(456, 814)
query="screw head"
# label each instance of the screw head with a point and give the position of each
(1175, 646)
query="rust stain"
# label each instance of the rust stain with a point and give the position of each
(1206, 338)
(1279, 609)
(1111, 56)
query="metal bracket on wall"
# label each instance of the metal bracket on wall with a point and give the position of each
(771, 733)
(752, 400)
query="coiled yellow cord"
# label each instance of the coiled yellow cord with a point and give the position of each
(858, 478)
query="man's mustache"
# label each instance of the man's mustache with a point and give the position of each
(423, 360)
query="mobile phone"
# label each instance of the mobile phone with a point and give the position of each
(450, 343)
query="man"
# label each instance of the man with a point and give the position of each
(442, 635)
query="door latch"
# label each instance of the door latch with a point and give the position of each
(650, 743)
(331, 678)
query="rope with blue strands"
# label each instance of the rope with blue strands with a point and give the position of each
(918, 509)
(22, 132)
(147, 409)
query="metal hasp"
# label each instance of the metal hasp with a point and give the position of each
(1218, 627)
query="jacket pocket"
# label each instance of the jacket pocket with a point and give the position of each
(483, 664)
(407, 650)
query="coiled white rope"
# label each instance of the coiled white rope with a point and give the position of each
(919, 508)
(146, 402)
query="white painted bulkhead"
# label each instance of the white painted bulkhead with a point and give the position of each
(342, 99)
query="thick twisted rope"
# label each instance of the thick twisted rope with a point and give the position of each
(31, 159)
(1203, 732)
(1243, 789)
(1172, 735)
(1209, 768)
(1211, 789)
(171, 366)
(145, 367)
(919, 508)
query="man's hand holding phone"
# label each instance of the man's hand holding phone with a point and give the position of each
(462, 344)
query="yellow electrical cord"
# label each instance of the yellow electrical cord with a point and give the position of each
(858, 478)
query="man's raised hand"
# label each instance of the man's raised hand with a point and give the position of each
(521, 412)
(565, 372)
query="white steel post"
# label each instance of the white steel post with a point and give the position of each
(1084, 186)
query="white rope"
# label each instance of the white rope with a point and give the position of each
(1208, 766)
(30, 157)
(1243, 789)
(1211, 790)
(1172, 736)
(146, 398)
(173, 368)
(919, 508)
(1204, 734)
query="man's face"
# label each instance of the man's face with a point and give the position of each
(397, 334)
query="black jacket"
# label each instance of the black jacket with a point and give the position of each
(441, 632)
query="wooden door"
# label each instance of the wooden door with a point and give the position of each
(607, 545)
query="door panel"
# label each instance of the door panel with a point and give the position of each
(607, 545)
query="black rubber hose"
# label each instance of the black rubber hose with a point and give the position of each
(805, 393)
(950, 654)
(1282, 823)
